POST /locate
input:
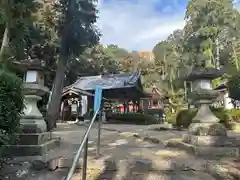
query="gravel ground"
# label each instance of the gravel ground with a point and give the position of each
(123, 156)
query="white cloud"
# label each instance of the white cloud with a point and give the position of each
(135, 25)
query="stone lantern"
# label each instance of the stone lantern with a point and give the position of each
(34, 140)
(202, 93)
(206, 136)
(33, 88)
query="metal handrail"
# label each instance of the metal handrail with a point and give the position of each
(84, 142)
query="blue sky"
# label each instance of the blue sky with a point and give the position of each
(139, 24)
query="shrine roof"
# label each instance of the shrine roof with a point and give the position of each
(75, 90)
(203, 73)
(110, 81)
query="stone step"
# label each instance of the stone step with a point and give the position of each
(113, 164)
(108, 168)
(129, 174)
(207, 152)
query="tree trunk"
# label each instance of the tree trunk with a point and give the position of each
(5, 43)
(53, 109)
(235, 59)
(171, 86)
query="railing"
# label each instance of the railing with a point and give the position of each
(84, 144)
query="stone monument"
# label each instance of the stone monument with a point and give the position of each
(206, 136)
(34, 138)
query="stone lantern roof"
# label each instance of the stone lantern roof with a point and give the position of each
(203, 73)
(30, 64)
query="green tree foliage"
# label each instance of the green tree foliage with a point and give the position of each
(16, 20)
(210, 37)
(11, 106)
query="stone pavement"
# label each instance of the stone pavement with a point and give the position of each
(127, 157)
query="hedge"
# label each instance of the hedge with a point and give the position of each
(234, 87)
(132, 118)
(11, 105)
(184, 117)
(234, 115)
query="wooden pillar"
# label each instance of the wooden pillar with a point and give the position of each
(127, 106)
(138, 105)
(134, 106)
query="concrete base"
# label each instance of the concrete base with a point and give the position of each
(33, 138)
(216, 141)
(33, 144)
(32, 150)
(204, 151)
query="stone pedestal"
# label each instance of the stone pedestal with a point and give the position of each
(32, 121)
(33, 144)
(33, 139)
(207, 137)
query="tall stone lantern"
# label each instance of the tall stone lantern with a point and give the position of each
(32, 120)
(206, 136)
(34, 140)
(203, 95)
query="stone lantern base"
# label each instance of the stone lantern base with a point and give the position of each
(209, 145)
(207, 137)
(33, 144)
(34, 140)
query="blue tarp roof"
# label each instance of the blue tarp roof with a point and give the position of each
(110, 81)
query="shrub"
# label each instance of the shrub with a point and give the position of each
(11, 105)
(234, 114)
(132, 118)
(221, 113)
(171, 117)
(234, 87)
(184, 117)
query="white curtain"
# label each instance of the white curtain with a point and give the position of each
(84, 105)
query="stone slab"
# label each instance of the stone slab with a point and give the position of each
(219, 141)
(165, 126)
(32, 150)
(33, 138)
(209, 152)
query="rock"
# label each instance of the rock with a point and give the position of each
(218, 171)
(204, 129)
(38, 165)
